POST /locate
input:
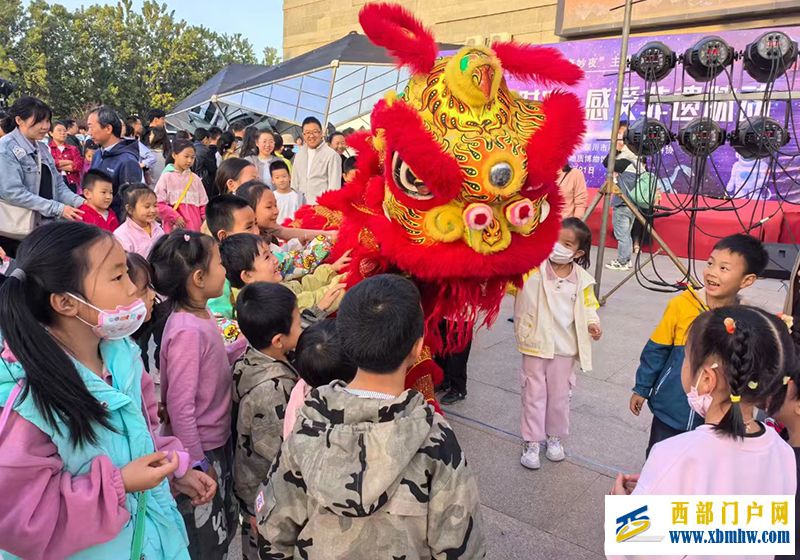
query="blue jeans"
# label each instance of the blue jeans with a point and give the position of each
(623, 223)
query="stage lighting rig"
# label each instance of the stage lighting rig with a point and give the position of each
(759, 137)
(707, 59)
(701, 137)
(769, 56)
(647, 137)
(654, 61)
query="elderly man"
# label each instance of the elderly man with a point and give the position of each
(316, 168)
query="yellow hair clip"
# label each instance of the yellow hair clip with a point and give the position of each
(788, 320)
(786, 379)
(753, 385)
(735, 398)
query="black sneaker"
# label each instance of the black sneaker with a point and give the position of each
(452, 397)
(443, 388)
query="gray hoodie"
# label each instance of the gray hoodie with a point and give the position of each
(369, 478)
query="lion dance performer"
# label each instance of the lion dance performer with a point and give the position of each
(455, 185)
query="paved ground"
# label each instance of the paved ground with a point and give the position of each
(557, 512)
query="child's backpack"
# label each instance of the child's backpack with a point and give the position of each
(644, 192)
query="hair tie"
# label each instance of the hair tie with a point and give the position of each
(19, 274)
(730, 325)
(186, 237)
(788, 320)
(753, 385)
(735, 398)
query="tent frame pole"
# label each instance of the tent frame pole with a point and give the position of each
(335, 66)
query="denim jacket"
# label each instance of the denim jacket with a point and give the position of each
(20, 177)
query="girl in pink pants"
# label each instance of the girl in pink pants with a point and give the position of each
(555, 317)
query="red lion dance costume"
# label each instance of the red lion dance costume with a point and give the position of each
(456, 179)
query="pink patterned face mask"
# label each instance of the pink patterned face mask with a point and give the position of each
(117, 323)
(699, 403)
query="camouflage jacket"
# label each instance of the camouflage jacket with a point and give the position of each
(364, 478)
(261, 389)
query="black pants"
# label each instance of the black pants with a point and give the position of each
(659, 432)
(454, 365)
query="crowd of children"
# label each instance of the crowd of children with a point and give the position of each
(292, 430)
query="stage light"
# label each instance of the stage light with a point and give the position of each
(654, 61)
(759, 137)
(769, 56)
(701, 137)
(706, 60)
(647, 136)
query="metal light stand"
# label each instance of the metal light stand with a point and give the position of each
(609, 188)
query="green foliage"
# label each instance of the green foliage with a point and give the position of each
(110, 54)
(271, 57)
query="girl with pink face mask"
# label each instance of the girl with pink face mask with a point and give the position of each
(736, 361)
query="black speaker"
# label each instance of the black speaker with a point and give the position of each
(782, 257)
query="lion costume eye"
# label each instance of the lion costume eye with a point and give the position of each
(406, 181)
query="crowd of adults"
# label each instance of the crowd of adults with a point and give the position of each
(43, 161)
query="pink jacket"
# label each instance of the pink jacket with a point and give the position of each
(296, 400)
(705, 462)
(196, 382)
(192, 209)
(134, 239)
(576, 196)
(52, 513)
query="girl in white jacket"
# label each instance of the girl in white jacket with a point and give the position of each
(555, 315)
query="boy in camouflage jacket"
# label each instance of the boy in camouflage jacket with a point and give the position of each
(371, 470)
(263, 381)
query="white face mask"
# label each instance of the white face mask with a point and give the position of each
(117, 323)
(561, 254)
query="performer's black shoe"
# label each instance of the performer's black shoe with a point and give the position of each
(453, 397)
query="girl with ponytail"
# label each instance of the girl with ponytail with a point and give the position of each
(736, 360)
(82, 474)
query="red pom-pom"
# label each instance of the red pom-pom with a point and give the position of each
(394, 28)
(545, 65)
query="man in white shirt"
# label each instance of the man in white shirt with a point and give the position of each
(316, 168)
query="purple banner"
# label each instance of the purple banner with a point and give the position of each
(726, 171)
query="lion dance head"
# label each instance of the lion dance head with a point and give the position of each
(456, 178)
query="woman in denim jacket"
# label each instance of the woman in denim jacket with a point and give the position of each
(28, 174)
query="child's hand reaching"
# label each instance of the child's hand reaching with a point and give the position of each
(180, 223)
(147, 472)
(637, 401)
(343, 262)
(331, 296)
(199, 486)
(595, 331)
(624, 484)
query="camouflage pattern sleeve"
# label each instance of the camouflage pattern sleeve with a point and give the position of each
(267, 423)
(455, 528)
(281, 510)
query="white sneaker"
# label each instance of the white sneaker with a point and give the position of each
(555, 451)
(530, 455)
(616, 265)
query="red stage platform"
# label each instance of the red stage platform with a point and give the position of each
(710, 225)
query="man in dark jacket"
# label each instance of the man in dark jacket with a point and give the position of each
(205, 162)
(118, 157)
